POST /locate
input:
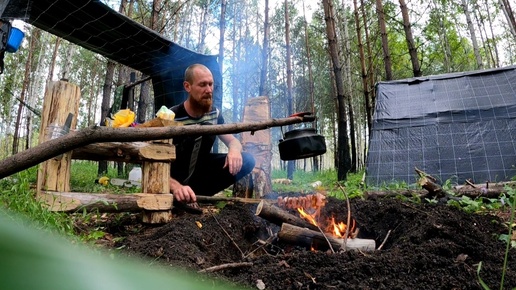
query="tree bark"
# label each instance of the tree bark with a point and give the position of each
(222, 28)
(265, 51)
(106, 98)
(385, 41)
(291, 165)
(416, 68)
(344, 159)
(473, 35)
(509, 15)
(73, 140)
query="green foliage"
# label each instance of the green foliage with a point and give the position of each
(17, 196)
(303, 182)
(84, 173)
(508, 198)
(55, 263)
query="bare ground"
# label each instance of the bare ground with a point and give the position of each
(430, 246)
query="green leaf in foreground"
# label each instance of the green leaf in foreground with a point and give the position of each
(35, 259)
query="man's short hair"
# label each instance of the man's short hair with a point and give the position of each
(189, 71)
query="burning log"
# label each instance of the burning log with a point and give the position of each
(304, 237)
(279, 216)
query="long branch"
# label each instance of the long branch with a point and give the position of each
(55, 147)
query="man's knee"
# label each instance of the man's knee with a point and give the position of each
(248, 163)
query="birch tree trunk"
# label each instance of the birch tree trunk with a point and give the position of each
(509, 15)
(203, 28)
(493, 38)
(344, 160)
(443, 39)
(34, 38)
(369, 100)
(290, 164)
(106, 98)
(265, 51)
(472, 34)
(385, 41)
(222, 28)
(416, 69)
(483, 36)
(315, 159)
(53, 59)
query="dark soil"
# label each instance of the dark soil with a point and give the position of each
(430, 246)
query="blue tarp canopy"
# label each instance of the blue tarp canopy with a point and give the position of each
(95, 26)
(454, 127)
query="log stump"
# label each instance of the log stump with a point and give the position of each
(61, 99)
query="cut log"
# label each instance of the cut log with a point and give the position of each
(276, 215)
(309, 239)
(61, 101)
(78, 201)
(156, 180)
(130, 152)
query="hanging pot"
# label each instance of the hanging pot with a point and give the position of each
(301, 143)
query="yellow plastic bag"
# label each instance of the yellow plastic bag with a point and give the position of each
(122, 118)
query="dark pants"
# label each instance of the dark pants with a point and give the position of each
(209, 176)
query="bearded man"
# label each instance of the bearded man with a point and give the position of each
(196, 170)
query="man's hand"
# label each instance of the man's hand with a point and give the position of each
(234, 157)
(182, 193)
(233, 161)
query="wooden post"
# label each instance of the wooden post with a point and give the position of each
(61, 99)
(155, 177)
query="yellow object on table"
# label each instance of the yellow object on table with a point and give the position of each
(123, 118)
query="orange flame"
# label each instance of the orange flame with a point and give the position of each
(337, 229)
(310, 218)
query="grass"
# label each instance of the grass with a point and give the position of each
(18, 196)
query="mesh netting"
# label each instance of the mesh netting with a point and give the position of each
(455, 126)
(95, 26)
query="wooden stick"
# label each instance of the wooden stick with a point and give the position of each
(278, 216)
(225, 266)
(215, 199)
(307, 238)
(384, 240)
(227, 234)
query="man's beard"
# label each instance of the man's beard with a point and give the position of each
(204, 105)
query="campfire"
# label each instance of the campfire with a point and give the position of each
(308, 229)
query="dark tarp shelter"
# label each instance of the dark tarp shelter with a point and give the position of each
(454, 127)
(95, 26)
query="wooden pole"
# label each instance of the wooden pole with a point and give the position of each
(61, 99)
(46, 150)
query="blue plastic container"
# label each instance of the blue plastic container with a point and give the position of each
(15, 39)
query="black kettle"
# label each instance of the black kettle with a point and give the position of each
(301, 143)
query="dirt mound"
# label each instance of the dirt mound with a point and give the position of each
(429, 247)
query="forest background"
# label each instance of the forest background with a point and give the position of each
(323, 56)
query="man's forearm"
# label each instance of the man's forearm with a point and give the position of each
(235, 145)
